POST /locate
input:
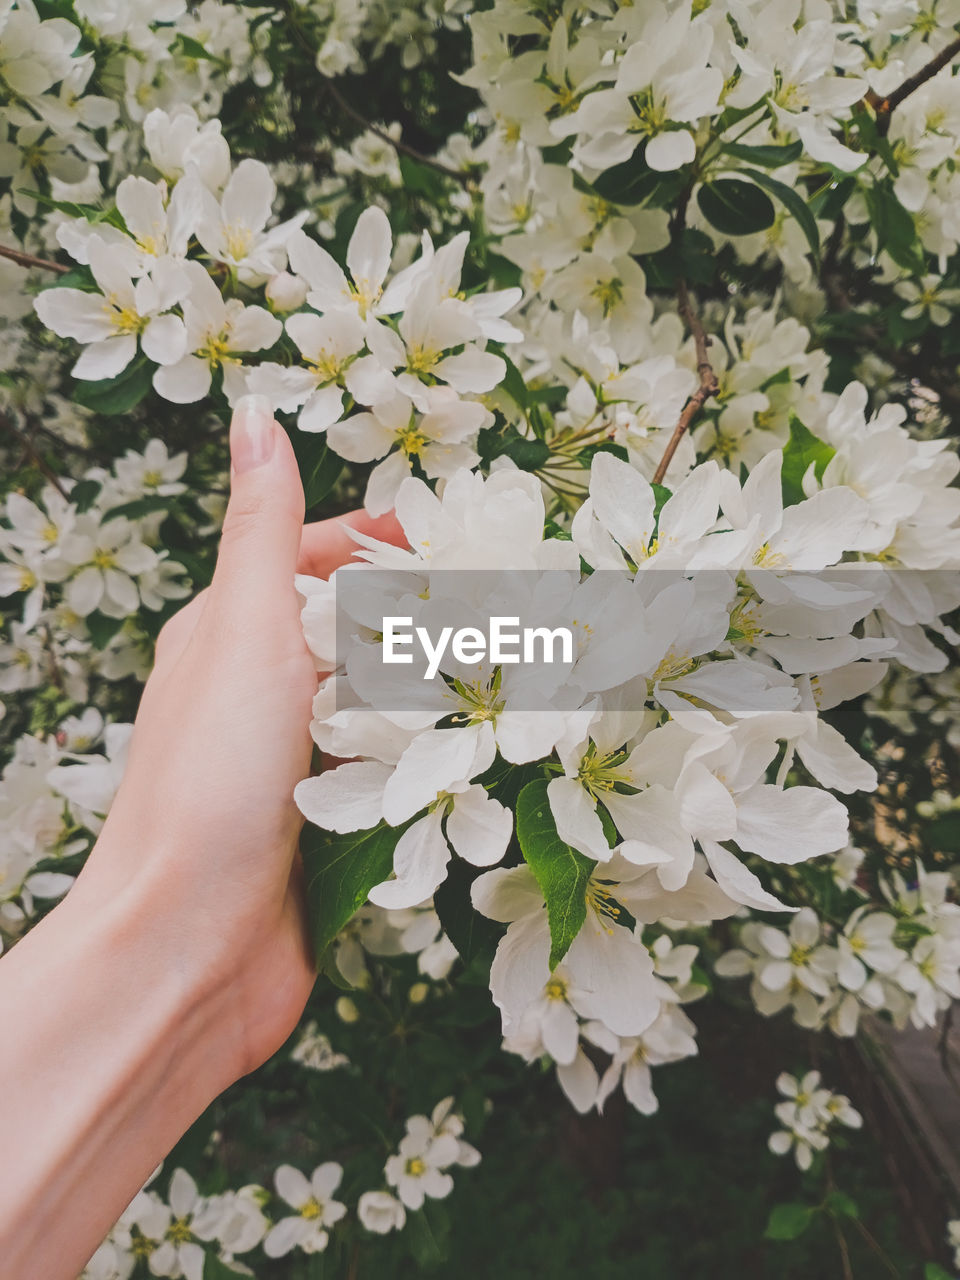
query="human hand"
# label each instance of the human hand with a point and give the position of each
(202, 836)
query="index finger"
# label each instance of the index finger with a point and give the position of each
(327, 544)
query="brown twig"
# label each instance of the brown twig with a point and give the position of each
(877, 1248)
(12, 429)
(354, 1264)
(844, 1250)
(709, 386)
(28, 260)
(885, 107)
(396, 143)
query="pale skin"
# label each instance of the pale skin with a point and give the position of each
(180, 960)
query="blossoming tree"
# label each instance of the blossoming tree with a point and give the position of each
(653, 296)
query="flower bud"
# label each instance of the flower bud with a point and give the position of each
(418, 992)
(285, 292)
(347, 1011)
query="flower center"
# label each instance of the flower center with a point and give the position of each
(215, 352)
(179, 1231)
(238, 242)
(556, 989)
(365, 295)
(141, 1246)
(124, 319)
(602, 903)
(764, 558)
(410, 440)
(421, 359)
(324, 366)
(601, 772)
(609, 293)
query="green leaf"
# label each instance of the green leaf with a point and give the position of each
(505, 781)
(320, 467)
(895, 228)
(215, 1269)
(472, 934)
(427, 1234)
(873, 141)
(794, 204)
(102, 629)
(632, 182)
(496, 442)
(420, 177)
(117, 395)
(830, 204)
(661, 495)
(194, 49)
(691, 256)
(842, 1205)
(608, 446)
(341, 870)
(91, 212)
(514, 384)
(770, 157)
(76, 278)
(199, 567)
(803, 448)
(561, 872)
(735, 207)
(141, 507)
(788, 1221)
(943, 833)
(85, 493)
(934, 1271)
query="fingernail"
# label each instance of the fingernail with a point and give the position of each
(252, 433)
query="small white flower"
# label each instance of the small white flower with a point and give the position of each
(112, 321)
(233, 229)
(417, 1170)
(381, 1212)
(217, 331)
(316, 1209)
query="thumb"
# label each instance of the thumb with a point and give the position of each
(264, 519)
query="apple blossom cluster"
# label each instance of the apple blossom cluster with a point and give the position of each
(174, 1235)
(377, 932)
(408, 349)
(552, 1028)
(808, 1113)
(599, 86)
(907, 701)
(54, 793)
(652, 760)
(91, 556)
(83, 558)
(902, 959)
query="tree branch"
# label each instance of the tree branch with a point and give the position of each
(28, 260)
(397, 145)
(885, 107)
(12, 429)
(709, 386)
